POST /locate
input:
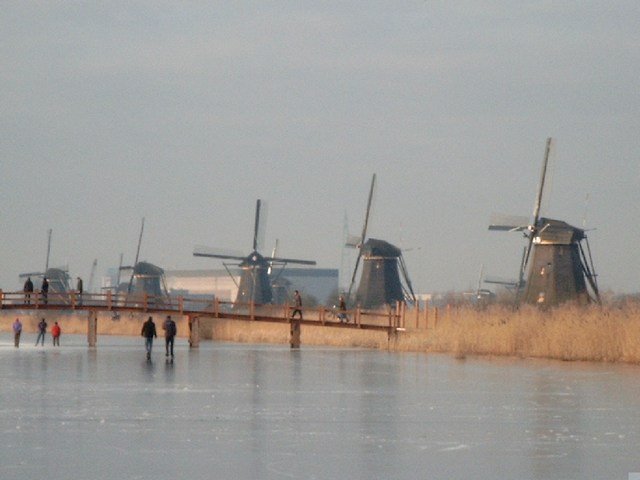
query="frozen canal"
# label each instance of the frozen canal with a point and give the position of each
(265, 412)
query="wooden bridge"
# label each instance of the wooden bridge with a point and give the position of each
(391, 320)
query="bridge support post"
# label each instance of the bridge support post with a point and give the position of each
(194, 331)
(92, 328)
(294, 333)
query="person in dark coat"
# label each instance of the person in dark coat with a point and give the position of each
(45, 289)
(80, 289)
(170, 331)
(149, 333)
(28, 290)
(342, 310)
(42, 330)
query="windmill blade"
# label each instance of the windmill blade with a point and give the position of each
(259, 225)
(589, 270)
(480, 279)
(543, 175)
(500, 281)
(523, 267)
(46, 266)
(290, 260)
(137, 256)
(405, 274)
(352, 241)
(366, 217)
(31, 274)
(509, 223)
(362, 237)
(118, 276)
(273, 255)
(200, 251)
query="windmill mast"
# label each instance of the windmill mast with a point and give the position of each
(543, 175)
(362, 238)
(533, 228)
(46, 265)
(136, 261)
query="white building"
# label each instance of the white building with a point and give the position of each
(321, 283)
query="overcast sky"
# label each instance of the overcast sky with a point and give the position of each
(186, 112)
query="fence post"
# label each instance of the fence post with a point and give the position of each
(216, 307)
(294, 332)
(321, 314)
(181, 303)
(92, 328)
(251, 310)
(1, 297)
(435, 317)
(194, 331)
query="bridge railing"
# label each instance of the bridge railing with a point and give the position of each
(393, 318)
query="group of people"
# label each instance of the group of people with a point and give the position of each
(56, 331)
(149, 333)
(44, 289)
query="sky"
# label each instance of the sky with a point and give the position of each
(185, 113)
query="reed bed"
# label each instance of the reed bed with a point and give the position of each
(589, 333)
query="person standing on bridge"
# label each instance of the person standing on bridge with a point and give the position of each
(170, 331)
(297, 303)
(17, 330)
(45, 289)
(149, 333)
(42, 330)
(28, 290)
(79, 289)
(342, 310)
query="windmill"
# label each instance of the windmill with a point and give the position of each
(556, 266)
(58, 278)
(480, 296)
(146, 278)
(382, 263)
(256, 269)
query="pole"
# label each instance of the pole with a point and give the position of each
(92, 328)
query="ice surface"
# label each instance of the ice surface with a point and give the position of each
(266, 412)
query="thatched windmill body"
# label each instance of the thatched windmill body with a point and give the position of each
(255, 285)
(382, 265)
(556, 266)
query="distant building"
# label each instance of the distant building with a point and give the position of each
(321, 283)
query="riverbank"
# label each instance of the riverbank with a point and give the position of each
(570, 333)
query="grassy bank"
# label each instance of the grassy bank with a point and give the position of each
(570, 332)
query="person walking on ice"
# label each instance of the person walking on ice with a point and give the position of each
(149, 333)
(170, 331)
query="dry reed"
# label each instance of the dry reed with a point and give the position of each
(590, 333)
